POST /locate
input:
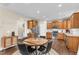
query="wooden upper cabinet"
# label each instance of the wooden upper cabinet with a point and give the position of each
(75, 20)
(69, 24)
(64, 24)
(57, 24)
(34, 23)
(31, 24)
(60, 24)
(49, 25)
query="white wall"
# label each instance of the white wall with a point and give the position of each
(42, 28)
(26, 30)
(8, 22)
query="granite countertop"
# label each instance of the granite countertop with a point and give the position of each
(69, 34)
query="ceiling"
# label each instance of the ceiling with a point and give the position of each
(46, 11)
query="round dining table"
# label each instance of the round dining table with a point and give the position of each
(35, 42)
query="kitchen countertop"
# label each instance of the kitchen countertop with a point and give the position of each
(69, 34)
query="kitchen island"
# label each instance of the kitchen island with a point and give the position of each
(72, 42)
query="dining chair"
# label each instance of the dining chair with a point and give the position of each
(45, 49)
(48, 48)
(31, 50)
(48, 37)
(23, 49)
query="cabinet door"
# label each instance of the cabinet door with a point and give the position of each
(34, 23)
(72, 43)
(60, 25)
(75, 20)
(49, 25)
(30, 24)
(66, 41)
(64, 24)
(69, 42)
(75, 44)
(68, 24)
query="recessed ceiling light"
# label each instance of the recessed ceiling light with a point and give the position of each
(60, 5)
(38, 11)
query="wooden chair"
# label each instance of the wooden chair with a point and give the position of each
(48, 35)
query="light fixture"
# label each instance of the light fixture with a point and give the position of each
(59, 5)
(38, 11)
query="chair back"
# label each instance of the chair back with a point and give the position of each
(48, 48)
(23, 49)
(48, 35)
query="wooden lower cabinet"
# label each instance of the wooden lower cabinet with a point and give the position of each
(72, 43)
(60, 36)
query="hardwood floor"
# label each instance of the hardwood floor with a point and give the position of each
(8, 51)
(58, 46)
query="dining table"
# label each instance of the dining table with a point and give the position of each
(35, 42)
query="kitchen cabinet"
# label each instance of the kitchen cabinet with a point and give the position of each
(60, 36)
(69, 24)
(75, 20)
(72, 43)
(57, 24)
(61, 25)
(49, 25)
(31, 24)
(65, 24)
